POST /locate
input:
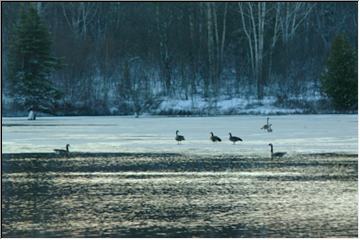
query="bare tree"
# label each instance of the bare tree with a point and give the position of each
(210, 44)
(275, 35)
(253, 22)
(292, 16)
(192, 51)
(79, 16)
(165, 59)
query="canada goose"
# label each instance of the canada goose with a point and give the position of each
(62, 151)
(214, 138)
(276, 154)
(267, 126)
(178, 137)
(234, 139)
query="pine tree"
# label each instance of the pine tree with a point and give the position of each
(31, 64)
(339, 81)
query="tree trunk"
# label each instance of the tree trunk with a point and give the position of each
(274, 39)
(248, 37)
(216, 47)
(261, 35)
(258, 35)
(210, 45)
(223, 37)
(165, 68)
(191, 54)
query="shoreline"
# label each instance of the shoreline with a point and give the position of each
(163, 154)
(173, 162)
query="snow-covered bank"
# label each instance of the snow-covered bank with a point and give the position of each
(292, 133)
(313, 103)
(224, 106)
(198, 106)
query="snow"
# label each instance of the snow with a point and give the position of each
(31, 115)
(187, 105)
(226, 106)
(291, 133)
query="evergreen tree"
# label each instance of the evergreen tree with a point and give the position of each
(339, 81)
(31, 64)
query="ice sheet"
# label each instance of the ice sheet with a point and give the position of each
(291, 133)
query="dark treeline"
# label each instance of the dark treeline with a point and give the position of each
(128, 56)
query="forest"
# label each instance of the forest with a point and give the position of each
(120, 58)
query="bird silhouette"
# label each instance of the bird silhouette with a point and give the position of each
(63, 151)
(267, 126)
(178, 137)
(234, 139)
(275, 154)
(214, 138)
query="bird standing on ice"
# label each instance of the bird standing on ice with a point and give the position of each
(234, 139)
(62, 151)
(276, 154)
(267, 126)
(178, 137)
(214, 138)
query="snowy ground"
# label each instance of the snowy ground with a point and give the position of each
(292, 133)
(229, 106)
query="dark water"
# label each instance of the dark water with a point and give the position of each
(169, 195)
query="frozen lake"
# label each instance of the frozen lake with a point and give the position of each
(292, 133)
(127, 177)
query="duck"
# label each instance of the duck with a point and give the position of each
(214, 138)
(178, 137)
(234, 139)
(276, 154)
(267, 126)
(62, 151)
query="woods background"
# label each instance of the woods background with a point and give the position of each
(125, 58)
